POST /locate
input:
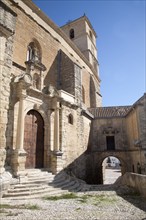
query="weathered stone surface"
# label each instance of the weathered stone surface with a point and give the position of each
(42, 71)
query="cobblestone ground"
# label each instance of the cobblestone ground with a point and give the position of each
(111, 175)
(104, 202)
(94, 205)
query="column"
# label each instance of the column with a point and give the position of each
(19, 154)
(56, 128)
(57, 163)
(20, 125)
(61, 127)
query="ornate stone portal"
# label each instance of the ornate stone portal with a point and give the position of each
(22, 85)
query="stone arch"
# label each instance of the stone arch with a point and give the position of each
(34, 139)
(111, 169)
(36, 108)
(94, 165)
(99, 162)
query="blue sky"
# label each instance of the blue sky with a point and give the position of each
(120, 26)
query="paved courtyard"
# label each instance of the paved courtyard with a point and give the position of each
(111, 175)
(103, 202)
(88, 206)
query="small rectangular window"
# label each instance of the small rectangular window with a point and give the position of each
(110, 142)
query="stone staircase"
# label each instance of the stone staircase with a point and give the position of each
(37, 183)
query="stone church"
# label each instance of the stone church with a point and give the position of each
(51, 114)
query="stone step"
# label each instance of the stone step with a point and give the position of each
(29, 185)
(43, 173)
(33, 191)
(25, 188)
(37, 181)
(40, 183)
(58, 180)
(34, 170)
(17, 194)
(62, 184)
(57, 192)
(71, 185)
(40, 178)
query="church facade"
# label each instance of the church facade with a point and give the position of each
(51, 114)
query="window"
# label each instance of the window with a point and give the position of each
(110, 142)
(91, 35)
(33, 52)
(83, 94)
(71, 34)
(70, 119)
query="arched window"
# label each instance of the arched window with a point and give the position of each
(70, 119)
(72, 33)
(34, 51)
(91, 35)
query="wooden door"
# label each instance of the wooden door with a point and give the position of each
(34, 140)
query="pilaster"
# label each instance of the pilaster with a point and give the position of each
(57, 163)
(19, 155)
(56, 128)
(56, 157)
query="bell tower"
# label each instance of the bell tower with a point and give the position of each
(81, 32)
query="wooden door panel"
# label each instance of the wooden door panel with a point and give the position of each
(34, 139)
(40, 143)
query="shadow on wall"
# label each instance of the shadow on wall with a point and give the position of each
(87, 167)
(13, 100)
(93, 93)
(77, 170)
(61, 73)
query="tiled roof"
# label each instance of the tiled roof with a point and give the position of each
(107, 112)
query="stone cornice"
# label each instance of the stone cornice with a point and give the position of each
(4, 6)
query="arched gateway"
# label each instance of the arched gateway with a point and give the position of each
(34, 140)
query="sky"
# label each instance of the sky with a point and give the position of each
(120, 26)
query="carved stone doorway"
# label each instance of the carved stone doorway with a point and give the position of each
(34, 140)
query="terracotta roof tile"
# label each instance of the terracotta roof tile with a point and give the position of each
(106, 112)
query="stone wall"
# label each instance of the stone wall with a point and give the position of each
(136, 133)
(57, 56)
(63, 71)
(137, 181)
(7, 24)
(66, 73)
(132, 128)
(141, 113)
(71, 141)
(74, 141)
(105, 127)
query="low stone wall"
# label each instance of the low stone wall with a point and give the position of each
(137, 181)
